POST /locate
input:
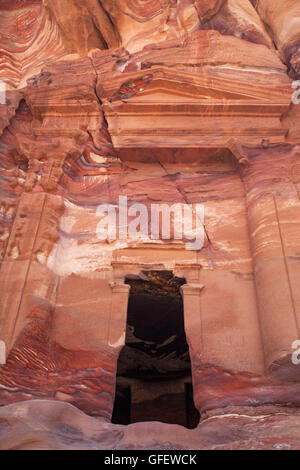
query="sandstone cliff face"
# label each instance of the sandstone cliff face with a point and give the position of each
(283, 24)
(164, 102)
(29, 36)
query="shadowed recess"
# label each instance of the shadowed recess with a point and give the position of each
(154, 380)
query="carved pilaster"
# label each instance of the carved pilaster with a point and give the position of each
(118, 314)
(276, 294)
(24, 275)
(192, 314)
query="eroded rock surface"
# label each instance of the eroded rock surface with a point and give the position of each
(51, 425)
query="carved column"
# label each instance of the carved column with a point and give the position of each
(192, 314)
(275, 293)
(193, 326)
(118, 320)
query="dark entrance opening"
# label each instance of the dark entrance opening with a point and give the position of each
(154, 380)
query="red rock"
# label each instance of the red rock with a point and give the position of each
(283, 23)
(66, 428)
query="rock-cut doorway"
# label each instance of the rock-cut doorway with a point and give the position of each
(154, 380)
